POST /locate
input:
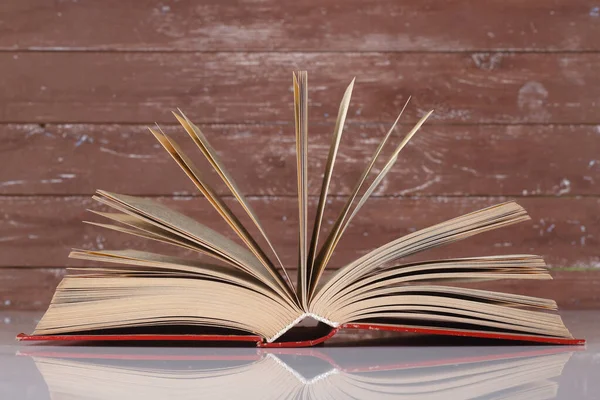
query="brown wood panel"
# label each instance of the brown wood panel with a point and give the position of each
(39, 231)
(451, 160)
(32, 288)
(255, 87)
(301, 25)
(28, 288)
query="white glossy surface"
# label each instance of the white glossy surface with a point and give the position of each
(438, 371)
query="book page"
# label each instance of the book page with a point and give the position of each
(190, 229)
(148, 231)
(301, 119)
(193, 269)
(510, 299)
(450, 306)
(87, 303)
(211, 155)
(224, 211)
(446, 232)
(449, 270)
(333, 149)
(342, 221)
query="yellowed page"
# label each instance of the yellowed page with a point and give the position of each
(319, 265)
(446, 232)
(195, 176)
(147, 230)
(333, 149)
(112, 301)
(190, 229)
(343, 222)
(390, 163)
(301, 118)
(211, 155)
(493, 267)
(133, 258)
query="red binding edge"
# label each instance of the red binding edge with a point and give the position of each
(427, 331)
(466, 333)
(304, 343)
(139, 337)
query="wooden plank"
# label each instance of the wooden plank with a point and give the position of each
(442, 159)
(302, 25)
(39, 231)
(32, 288)
(28, 288)
(255, 87)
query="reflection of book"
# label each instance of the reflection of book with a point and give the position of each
(245, 294)
(240, 373)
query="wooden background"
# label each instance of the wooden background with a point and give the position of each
(514, 86)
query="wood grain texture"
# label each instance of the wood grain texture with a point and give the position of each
(39, 231)
(32, 288)
(302, 25)
(28, 288)
(513, 84)
(440, 160)
(255, 87)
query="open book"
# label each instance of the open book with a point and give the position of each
(245, 293)
(301, 374)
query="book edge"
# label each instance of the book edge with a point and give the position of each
(306, 343)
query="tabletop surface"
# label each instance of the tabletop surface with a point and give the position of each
(400, 367)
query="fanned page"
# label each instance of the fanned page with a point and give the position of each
(343, 219)
(301, 118)
(173, 222)
(327, 174)
(194, 174)
(211, 155)
(241, 294)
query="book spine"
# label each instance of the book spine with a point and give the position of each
(298, 320)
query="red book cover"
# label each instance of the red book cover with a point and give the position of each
(298, 343)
